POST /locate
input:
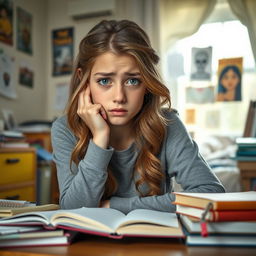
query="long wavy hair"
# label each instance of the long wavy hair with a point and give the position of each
(124, 37)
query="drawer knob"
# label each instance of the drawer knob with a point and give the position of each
(12, 160)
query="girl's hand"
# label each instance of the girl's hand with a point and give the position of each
(94, 115)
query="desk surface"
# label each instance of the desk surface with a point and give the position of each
(93, 245)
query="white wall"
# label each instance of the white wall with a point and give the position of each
(39, 102)
(30, 103)
(139, 11)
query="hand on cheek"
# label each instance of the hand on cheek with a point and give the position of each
(94, 115)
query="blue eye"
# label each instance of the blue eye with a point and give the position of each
(104, 81)
(133, 81)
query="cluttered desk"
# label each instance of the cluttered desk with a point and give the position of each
(48, 230)
(94, 245)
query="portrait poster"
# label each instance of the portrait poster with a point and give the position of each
(7, 85)
(26, 75)
(24, 31)
(200, 95)
(62, 49)
(230, 79)
(61, 96)
(190, 116)
(6, 21)
(201, 63)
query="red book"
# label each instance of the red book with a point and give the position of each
(218, 215)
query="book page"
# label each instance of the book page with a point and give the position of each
(226, 197)
(28, 218)
(100, 219)
(150, 217)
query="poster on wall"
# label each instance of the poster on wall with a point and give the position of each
(190, 116)
(6, 21)
(7, 87)
(62, 49)
(61, 96)
(230, 79)
(201, 63)
(26, 75)
(24, 31)
(200, 95)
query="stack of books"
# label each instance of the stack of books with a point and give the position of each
(13, 139)
(102, 222)
(20, 235)
(222, 219)
(246, 149)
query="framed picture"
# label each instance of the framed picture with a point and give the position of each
(62, 50)
(9, 120)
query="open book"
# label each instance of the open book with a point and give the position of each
(104, 221)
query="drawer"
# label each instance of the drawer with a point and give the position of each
(25, 193)
(17, 167)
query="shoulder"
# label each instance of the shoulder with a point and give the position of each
(175, 128)
(60, 128)
(172, 118)
(60, 122)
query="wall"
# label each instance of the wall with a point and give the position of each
(30, 103)
(140, 11)
(39, 102)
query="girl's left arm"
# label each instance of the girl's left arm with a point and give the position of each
(184, 162)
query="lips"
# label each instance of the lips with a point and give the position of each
(118, 111)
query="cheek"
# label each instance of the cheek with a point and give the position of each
(137, 99)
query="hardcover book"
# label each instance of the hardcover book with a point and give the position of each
(104, 221)
(219, 201)
(218, 215)
(43, 238)
(193, 225)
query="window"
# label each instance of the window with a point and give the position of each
(228, 39)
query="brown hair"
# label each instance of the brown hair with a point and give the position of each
(124, 37)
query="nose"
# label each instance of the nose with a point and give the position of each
(119, 94)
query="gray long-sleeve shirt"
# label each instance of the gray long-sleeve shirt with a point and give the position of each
(84, 185)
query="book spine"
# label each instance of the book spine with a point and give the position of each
(234, 215)
(237, 205)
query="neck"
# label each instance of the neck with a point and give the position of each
(121, 137)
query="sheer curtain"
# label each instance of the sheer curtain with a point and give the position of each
(182, 18)
(245, 10)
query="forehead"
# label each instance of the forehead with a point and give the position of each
(110, 62)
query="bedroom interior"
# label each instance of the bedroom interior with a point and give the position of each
(222, 29)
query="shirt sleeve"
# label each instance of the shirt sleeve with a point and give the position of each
(184, 162)
(81, 185)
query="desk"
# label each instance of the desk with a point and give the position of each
(93, 245)
(248, 174)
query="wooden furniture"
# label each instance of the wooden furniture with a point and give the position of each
(18, 173)
(248, 174)
(93, 245)
(44, 139)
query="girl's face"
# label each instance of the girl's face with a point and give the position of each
(230, 80)
(115, 83)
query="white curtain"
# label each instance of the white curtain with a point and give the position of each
(245, 10)
(182, 18)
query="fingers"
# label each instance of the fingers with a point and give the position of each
(87, 96)
(103, 113)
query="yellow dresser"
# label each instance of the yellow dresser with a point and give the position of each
(18, 173)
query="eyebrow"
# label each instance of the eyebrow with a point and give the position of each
(113, 73)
